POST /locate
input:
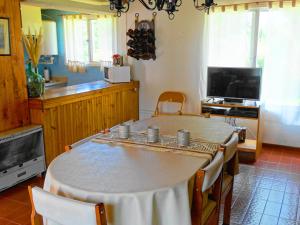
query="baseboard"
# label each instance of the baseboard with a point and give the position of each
(281, 146)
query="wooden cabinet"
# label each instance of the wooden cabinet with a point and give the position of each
(72, 113)
(251, 148)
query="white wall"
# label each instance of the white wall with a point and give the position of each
(177, 66)
(31, 19)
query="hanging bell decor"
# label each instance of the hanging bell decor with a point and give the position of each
(204, 6)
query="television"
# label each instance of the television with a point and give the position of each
(234, 83)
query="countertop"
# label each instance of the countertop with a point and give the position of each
(78, 91)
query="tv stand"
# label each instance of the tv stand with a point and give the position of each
(234, 100)
(247, 110)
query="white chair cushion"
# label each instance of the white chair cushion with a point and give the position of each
(212, 171)
(231, 147)
(62, 210)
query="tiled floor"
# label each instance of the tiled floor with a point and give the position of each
(264, 193)
(267, 193)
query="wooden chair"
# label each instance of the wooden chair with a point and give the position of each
(62, 210)
(207, 193)
(170, 96)
(230, 154)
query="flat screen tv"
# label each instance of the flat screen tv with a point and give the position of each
(234, 83)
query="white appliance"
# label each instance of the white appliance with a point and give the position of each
(117, 74)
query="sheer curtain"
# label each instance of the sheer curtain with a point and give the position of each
(281, 80)
(230, 37)
(103, 39)
(279, 53)
(88, 39)
(76, 38)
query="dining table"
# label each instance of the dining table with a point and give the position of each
(140, 184)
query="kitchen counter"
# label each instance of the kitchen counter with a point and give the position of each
(77, 91)
(69, 114)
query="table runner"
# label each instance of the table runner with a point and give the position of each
(166, 143)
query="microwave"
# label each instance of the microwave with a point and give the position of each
(117, 74)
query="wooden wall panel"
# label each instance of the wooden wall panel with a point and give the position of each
(13, 92)
(68, 122)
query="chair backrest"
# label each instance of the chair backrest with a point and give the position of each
(212, 171)
(170, 96)
(210, 176)
(231, 147)
(64, 211)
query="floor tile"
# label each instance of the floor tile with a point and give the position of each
(276, 196)
(272, 209)
(292, 187)
(291, 199)
(286, 222)
(288, 212)
(257, 206)
(252, 218)
(278, 185)
(262, 193)
(268, 220)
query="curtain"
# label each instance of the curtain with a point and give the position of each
(279, 53)
(76, 38)
(103, 38)
(229, 41)
(88, 39)
(254, 4)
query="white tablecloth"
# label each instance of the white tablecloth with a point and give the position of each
(204, 129)
(138, 187)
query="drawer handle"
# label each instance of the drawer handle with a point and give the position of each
(21, 174)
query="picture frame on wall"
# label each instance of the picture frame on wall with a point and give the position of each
(4, 37)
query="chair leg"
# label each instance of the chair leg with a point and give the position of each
(227, 207)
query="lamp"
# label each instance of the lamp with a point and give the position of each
(204, 6)
(170, 6)
(122, 6)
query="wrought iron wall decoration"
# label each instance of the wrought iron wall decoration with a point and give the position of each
(204, 6)
(142, 39)
(120, 6)
(170, 6)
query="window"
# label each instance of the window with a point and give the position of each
(267, 39)
(89, 40)
(230, 39)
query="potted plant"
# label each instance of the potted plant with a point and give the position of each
(35, 81)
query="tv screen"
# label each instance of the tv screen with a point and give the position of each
(241, 83)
